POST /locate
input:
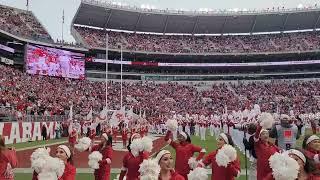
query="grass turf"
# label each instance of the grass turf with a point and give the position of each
(35, 143)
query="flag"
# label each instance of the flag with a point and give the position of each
(144, 115)
(103, 114)
(117, 116)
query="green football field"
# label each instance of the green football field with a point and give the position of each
(209, 145)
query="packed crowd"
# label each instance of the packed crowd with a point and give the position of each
(43, 95)
(22, 23)
(202, 44)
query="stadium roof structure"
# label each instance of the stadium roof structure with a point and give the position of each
(110, 16)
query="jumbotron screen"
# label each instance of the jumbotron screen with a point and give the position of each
(48, 61)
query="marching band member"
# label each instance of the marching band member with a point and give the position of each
(132, 161)
(220, 170)
(92, 134)
(184, 151)
(8, 161)
(105, 148)
(73, 137)
(167, 172)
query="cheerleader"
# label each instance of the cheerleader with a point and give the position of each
(132, 161)
(73, 137)
(184, 151)
(105, 148)
(124, 136)
(8, 161)
(115, 133)
(167, 172)
(219, 170)
(311, 147)
(305, 167)
(264, 149)
(64, 153)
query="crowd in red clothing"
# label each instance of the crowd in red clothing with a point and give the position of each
(22, 23)
(301, 41)
(41, 95)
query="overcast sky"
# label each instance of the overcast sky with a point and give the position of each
(49, 12)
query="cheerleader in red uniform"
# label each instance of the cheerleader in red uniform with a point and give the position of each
(64, 153)
(124, 136)
(167, 172)
(264, 149)
(8, 161)
(131, 162)
(73, 137)
(311, 147)
(184, 151)
(306, 169)
(114, 133)
(105, 148)
(220, 172)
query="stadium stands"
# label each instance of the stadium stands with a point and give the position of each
(285, 42)
(45, 95)
(23, 24)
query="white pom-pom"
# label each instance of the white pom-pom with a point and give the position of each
(147, 143)
(47, 176)
(38, 159)
(149, 169)
(266, 120)
(198, 174)
(40, 153)
(172, 125)
(38, 164)
(230, 151)
(136, 147)
(56, 165)
(283, 167)
(94, 159)
(83, 144)
(222, 159)
(193, 163)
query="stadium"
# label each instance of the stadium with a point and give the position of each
(146, 93)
